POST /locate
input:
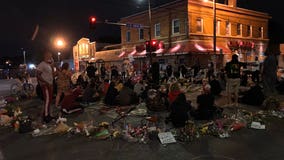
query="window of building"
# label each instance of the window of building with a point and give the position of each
(218, 26)
(239, 29)
(249, 30)
(175, 26)
(228, 28)
(260, 32)
(141, 34)
(127, 36)
(199, 25)
(157, 30)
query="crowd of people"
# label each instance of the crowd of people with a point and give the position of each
(159, 94)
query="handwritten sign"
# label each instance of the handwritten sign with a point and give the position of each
(166, 137)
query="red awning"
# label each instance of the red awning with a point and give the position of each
(198, 47)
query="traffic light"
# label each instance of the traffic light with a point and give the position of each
(92, 22)
(151, 46)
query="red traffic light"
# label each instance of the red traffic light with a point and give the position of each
(92, 19)
(151, 46)
(154, 42)
(92, 22)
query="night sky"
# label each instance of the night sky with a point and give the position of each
(69, 19)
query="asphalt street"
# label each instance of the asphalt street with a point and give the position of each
(243, 144)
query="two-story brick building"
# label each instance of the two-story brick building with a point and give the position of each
(186, 30)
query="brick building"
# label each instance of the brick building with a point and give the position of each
(185, 28)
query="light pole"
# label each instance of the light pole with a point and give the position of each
(24, 54)
(150, 24)
(59, 43)
(214, 36)
(58, 54)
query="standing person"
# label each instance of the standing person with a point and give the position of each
(233, 72)
(210, 71)
(45, 80)
(63, 82)
(103, 71)
(256, 71)
(114, 72)
(269, 75)
(169, 70)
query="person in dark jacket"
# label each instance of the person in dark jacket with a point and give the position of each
(206, 109)
(111, 95)
(179, 111)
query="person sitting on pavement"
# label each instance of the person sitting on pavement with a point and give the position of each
(174, 91)
(139, 87)
(216, 88)
(90, 94)
(111, 95)
(69, 103)
(254, 96)
(179, 111)
(127, 96)
(206, 109)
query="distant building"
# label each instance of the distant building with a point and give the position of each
(185, 30)
(82, 52)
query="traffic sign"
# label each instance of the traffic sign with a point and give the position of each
(133, 25)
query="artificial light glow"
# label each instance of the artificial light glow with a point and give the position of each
(143, 52)
(93, 19)
(176, 48)
(32, 66)
(133, 52)
(159, 50)
(59, 43)
(121, 54)
(199, 47)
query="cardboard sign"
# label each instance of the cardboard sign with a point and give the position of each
(166, 137)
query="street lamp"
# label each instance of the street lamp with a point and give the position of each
(59, 43)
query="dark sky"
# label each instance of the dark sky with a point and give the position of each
(69, 19)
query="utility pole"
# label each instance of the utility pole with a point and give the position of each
(150, 24)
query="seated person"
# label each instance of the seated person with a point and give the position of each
(154, 101)
(174, 91)
(254, 96)
(215, 86)
(69, 104)
(90, 93)
(179, 111)
(111, 95)
(205, 109)
(127, 96)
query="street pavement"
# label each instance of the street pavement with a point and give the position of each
(5, 85)
(243, 144)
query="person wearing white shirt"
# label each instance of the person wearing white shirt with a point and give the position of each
(45, 80)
